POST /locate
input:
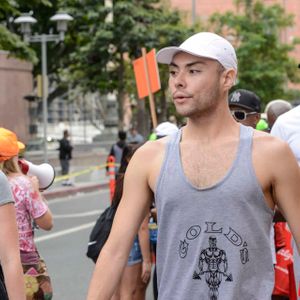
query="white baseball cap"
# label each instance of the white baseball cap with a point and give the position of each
(203, 44)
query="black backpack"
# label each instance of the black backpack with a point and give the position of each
(100, 232)
(3, 292)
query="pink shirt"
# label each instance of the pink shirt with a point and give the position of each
(29, 205)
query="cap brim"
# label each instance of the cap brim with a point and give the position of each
(165, 55)
(243, 106)
(21, 146)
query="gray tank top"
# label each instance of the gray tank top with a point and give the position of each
(213, 243)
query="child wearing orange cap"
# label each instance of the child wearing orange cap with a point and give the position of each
(9, 246)
(30, 208)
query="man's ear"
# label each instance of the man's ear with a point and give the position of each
(229, 77)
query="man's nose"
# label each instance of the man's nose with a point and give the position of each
(180, 80)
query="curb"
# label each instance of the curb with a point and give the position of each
(72, 190)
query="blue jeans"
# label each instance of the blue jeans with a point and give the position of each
(135, 255)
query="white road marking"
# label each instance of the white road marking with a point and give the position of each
(63, 232)
(72, 197)
(78, 215)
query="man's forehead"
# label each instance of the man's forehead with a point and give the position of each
(186, 59)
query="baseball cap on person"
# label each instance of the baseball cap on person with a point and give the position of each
(165, 128)
(9, 144)
(245, 99)
(203, 44)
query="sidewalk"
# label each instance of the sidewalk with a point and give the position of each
(84, 157)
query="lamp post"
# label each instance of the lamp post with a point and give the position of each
(26, 20)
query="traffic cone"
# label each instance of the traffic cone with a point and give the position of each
(112, 175)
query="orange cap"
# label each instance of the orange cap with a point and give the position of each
(9, 144)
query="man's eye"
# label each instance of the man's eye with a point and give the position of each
(172, 72)
(193, 71)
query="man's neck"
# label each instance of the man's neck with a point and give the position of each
(209, 127)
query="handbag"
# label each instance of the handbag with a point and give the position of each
(100, 232)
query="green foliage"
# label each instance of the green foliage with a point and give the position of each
(102, 60)
(265, 64)
(9, 8)
(9, 40)
(15, 46)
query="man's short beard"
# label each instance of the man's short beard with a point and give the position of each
(210, 104)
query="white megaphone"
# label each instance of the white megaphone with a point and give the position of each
(44, 172)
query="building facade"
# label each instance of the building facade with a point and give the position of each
(15, 83)
(202, 9)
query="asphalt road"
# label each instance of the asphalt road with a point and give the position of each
(64, 247)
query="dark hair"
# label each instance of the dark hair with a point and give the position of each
(128, 152)
(122, 135)
(65, 132)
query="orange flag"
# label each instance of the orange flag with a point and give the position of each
(141, 76)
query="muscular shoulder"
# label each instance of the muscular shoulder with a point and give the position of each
(268, 144)
(152, 148)
(271, 151)
(147, 160)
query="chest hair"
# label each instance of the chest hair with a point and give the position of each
(205, 165)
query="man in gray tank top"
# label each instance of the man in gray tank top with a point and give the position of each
(213, 183)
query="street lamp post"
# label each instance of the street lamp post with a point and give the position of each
(26, 20)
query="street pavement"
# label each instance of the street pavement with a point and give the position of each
(64, 247)
(87, 171)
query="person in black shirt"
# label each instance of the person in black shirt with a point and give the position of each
(65, 155)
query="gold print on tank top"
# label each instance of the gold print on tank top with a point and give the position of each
(205, 165)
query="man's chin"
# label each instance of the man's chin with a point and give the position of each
(185, 112)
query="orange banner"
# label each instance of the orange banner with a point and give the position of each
(141, 76)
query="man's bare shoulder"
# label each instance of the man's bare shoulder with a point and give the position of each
(270, 147)
(147, 160)
(267, 139)
(150, 151)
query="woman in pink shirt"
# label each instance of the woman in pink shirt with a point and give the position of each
(31, 208)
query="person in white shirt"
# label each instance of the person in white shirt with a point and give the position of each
(287, 128)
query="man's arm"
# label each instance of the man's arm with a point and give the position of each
(286, 184)
(132, 209)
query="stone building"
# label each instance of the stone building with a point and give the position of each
(15, 83)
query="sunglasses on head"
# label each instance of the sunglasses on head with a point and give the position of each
(241, 115)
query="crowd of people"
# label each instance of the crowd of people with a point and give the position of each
(225, 196)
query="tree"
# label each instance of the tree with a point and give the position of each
(9, 40)
(105, 49)
(12, 41)
(265, 64)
